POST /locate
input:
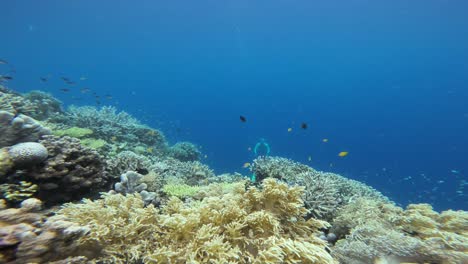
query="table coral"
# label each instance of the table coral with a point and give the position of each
(242, 226)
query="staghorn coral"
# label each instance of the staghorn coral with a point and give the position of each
(28, 236)
(19, 128)
(242, 226)
(184, 151)
(372, 230)
(70, 172)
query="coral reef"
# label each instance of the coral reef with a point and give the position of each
(372, 230)
(19, 128)
(324, 192)
(75, 170)
(184, 151)
(131, 182)
(28, 236)
(242, 226)
(111, 126)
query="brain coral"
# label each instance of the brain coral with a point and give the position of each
(27, 154)
(242, 226)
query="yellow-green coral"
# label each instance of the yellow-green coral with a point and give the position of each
(241, 226)
(76, 132)
(93, 143)
(180, 190)
(18, 192)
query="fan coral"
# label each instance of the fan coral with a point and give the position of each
(27, 236)
(70, 172)
(19, 128)
(242, 226)
(184, 151)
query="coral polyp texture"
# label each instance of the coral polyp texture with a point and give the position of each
(242, 226)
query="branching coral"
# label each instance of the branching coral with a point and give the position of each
(128, 161)
(191, 172)
(242, 226)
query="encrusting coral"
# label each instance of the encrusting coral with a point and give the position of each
(242, 226)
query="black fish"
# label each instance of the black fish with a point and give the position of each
(304, 125)
(65, 90)
(43, 79)
(5, 77)
(243, 119)
(65, 79)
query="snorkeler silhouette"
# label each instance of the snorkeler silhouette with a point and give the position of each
(262, 148)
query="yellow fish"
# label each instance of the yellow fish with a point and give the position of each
(246, 165)
(343, 153)
(114, 138)
(289, 129)
(150, 150)
(325, 140)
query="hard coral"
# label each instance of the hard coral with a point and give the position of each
(28, 236)
(37, 104)
(70, 172)
(28, 154)
(242, 226)
(371, 230)
(184, 151)
(19, 128)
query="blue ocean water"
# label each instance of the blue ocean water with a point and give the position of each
(386, 81)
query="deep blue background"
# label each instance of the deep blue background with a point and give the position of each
(385, 80)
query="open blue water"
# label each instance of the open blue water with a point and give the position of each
(386, 81)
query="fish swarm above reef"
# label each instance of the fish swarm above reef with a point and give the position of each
(171, 208)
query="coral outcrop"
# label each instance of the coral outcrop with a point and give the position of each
(29, 236)
(184, 151)
(70, 172)
(243, 226)
(36, 104)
